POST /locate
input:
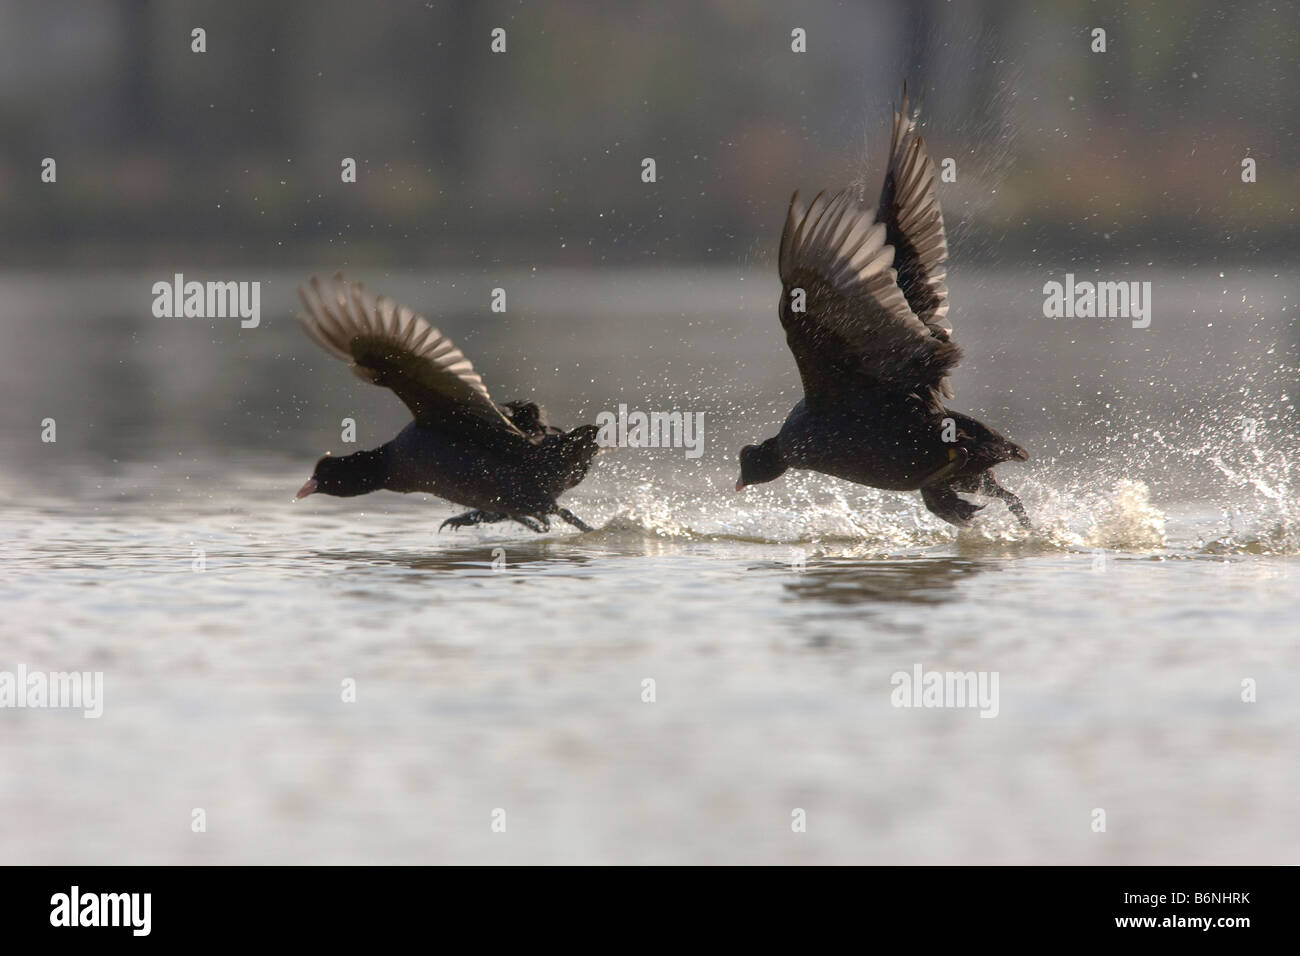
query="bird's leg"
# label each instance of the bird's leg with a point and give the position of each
(540, 525)
(957, 459)
(573, 519)
(943, 501)
(472, 517)
(989, 486)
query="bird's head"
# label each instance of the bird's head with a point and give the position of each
(346, 477)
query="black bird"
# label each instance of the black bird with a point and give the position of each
(505, 461)
(864, 307)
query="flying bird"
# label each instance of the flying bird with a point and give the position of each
(864, 307)
(503, 461)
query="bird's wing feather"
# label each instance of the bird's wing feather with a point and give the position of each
(387, 344)
(909, 208)
(856, 330)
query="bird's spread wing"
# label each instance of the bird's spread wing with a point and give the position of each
(913, 222)
(389, 345)
(856, 330)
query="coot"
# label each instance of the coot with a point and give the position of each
(864, 307)
(505, 462)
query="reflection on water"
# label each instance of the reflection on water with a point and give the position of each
(469, 560)
(493, 667)
(851, 583)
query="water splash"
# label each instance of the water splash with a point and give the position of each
(812, 510)
(1125, 520)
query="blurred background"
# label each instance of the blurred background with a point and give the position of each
(522, 170)
(533, 156)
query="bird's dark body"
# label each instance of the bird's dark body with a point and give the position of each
(515, 476)
(900, 444)
(864, 307)
(506, 462)
(893, 444)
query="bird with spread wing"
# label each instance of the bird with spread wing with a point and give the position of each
(504, 461)
(865, 312)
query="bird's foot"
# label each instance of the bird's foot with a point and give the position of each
(943, 501)
(988, 485)
(471, 518)
(962, 512)
(1017, 509)
(573, 519)
(540, 525)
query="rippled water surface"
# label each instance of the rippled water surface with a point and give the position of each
(499, 669)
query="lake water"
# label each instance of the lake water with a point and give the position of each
(1158, 589)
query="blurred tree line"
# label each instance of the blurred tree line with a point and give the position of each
(533, 156)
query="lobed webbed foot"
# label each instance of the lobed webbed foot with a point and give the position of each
(472, 518)
(1017, 509)
(945, 503)
(540, 525)
(988, 485)
(567, 515)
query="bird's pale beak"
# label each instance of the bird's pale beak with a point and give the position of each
(740, 484)
(307, 489)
